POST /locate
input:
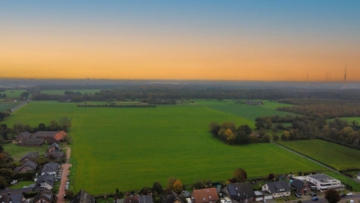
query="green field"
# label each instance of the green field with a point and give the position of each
(334, 155)
(7, 105)
(13, 94)
(247, 111)
(128, 148)
(61, 92)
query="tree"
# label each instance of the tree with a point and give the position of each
(240, 175)
(171, 182)
(157, 187)
(199, 185)
(65, 123)
(178, 187)
(271, 176)
(42, 126)
(24, 94)
(275, 137)
(69, 194)
(332, 196)
(54, 125)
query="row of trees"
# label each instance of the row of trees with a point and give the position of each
(229, 133)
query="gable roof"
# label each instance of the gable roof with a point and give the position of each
(83, 197)
(46, 178)
(13, 197)
(298, 184)
(145, 199)
(50, 167)
(280, 186)
(240, 191)
(28, 163)
(56, 145)
(44, 134)
(45, 194)
(172, 197)
(204, 195)
(30, 155)
(33, 141)
(23, 135)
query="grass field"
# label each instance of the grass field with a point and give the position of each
(18, 151)
(61, 92)
(128, 148)
(247, 111)
(13, 94)
(7, 105)
(21, 184)
(334, 155)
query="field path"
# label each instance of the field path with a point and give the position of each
(65, 172)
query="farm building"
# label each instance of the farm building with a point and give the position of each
(29, 156)
(277, 189)
(32, 142)
(323, 182)
(239, 192)
(28, 167)
(45, 196)
(22, 136)
(50, 136)
(207, 195)
(83, 197)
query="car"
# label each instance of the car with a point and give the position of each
(313, 194)
(315, 199)
(343, 195)
(297, 195)
(350, 194)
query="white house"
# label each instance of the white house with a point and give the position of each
(50, 168)
(277, 189)
(323, 182)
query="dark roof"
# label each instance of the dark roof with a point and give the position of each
(55, 154)
(44, 134)
(145, 199)
(132, 199)
(49, 179)
(19, 190)
(50, 167)
(45, 194)
(298, 184)
(23, 135)
(172, 197)
(29, 163)
(30, 155)
(54, 145)
(280, 186)
(240, 191)
(11, 196)
(83, 197)
(204, 195)
(33, 141)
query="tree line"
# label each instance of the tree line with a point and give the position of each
(230, 134)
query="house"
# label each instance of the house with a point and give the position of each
(323, 182)
(83, 197)
(44, 181)
(145, 199)
(55, 155)
(50, 168)
(300, 186)
(29, 156)
(54, 147)
(50, 136)
(32, 142)
(22, 135)
(262, 196)
(277, 189)
(238, 192)
(173, 197)
(132, 199)
(207, 195)
(28, 167)
(11, 197)
(45, 196)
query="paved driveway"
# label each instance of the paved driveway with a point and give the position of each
(64, 178)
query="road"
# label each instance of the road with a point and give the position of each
(355, 197)
(64, 178)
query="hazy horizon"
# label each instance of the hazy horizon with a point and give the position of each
(285, 41)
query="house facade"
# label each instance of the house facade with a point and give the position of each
(53, 148)
(277, 189)
(28, 167)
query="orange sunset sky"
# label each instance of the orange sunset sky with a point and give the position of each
(205, 40)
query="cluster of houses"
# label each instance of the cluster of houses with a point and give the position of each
(244, 192)
(46, 175)
(39, 138)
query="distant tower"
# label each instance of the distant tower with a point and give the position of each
(344, 85)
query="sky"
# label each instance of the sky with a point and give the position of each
(274, 40)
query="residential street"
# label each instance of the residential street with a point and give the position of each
(64, 177)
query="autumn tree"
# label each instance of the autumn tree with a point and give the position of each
(170, 183)
(332, 196)
(240, 175)
(178, 187)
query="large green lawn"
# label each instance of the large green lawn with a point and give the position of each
(128, 148)
(334, 155)
(17, 152)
